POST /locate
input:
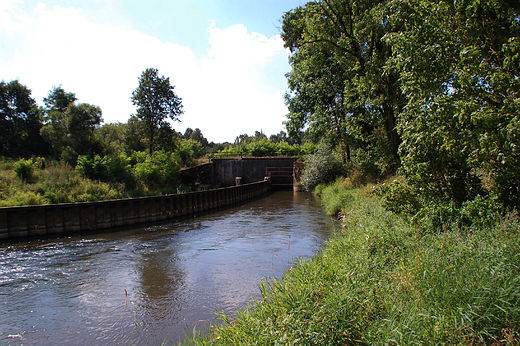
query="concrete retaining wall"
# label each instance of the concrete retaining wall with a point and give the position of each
(55, 219)
(249, 169)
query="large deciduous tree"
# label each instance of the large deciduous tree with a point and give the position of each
(155, 101)
(55, 129)
(70, 127)
(82, 121)
(460, 64)
(59, 100)
(19, 122)
(340, 84)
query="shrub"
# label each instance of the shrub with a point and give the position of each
(188, 150)
(96, 191)
(24, 169)
(69, 156)
(158, 171)
(57, 181)
(436, 215)
(308, 148)
(322, 167)
(137, 157)
(85, 166)
(20, 198)
(113, 168)
(285, 149)
(399, 197)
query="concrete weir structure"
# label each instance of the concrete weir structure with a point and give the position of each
(242, 179)
(225, 171)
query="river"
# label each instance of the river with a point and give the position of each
(152, 284)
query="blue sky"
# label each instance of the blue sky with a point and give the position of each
(225, 57)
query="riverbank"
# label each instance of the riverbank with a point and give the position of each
(382, 281)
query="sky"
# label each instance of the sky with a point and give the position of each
(225, 57)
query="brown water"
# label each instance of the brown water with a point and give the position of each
(151, 284)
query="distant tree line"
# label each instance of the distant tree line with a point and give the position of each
(64, 129)
(63, 142)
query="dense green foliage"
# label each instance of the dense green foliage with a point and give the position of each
(340, 86)
(139, 157)
(86, 161)
(459, 66)
(106, 161)
(39, 181)
(19, 122)
(95, 178)
(55, 124)
(380, 281)
(264, 147)
(70, 129)
(61, 152)
(428, 89)
(432, 87)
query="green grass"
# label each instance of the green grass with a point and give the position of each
(379, 281)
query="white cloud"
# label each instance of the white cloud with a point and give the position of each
(9, 5)
(225, 93)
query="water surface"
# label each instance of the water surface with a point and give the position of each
(150, 284)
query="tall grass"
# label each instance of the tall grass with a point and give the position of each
(382, 281)
(41, 181)
(55, 182)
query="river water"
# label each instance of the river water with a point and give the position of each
(152, 284)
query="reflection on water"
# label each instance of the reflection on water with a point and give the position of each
(149, 284)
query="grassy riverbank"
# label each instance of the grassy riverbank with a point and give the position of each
(382, 281)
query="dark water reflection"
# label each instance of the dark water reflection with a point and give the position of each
(144, 286)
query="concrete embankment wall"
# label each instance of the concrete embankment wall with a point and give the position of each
(249, 169)
(55, 219)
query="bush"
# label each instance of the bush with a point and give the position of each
(96, 191)
(262, 148)
(20, 198)
(285, 149)
(24, 169)
(399, 197)
(435, 215)
(187, 151)
(158, 171)
(114, 168)
(322, 167)
(57, 182)
(69, 156)
(89, 167)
